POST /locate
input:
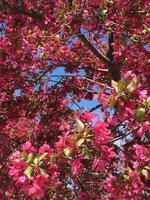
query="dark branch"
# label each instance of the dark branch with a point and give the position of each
(108, 59)
(112, 67)
(109, 53)
(93, 49)
(69, 65)
(95, 108)
(15, 9)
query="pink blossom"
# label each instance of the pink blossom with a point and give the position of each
(143, 94)
(42, 180)
(108, 152)
(102, 134)
(129, 74)
(141, 152)
(61, 143)
(45, 148)
(35, 191)
(16, 154)
(76, 166)
(104, 100)
(110, 184)
(21, 180)
(87, 116)
(28, 147)
(145, 127)
(17, 168)
(99, 165)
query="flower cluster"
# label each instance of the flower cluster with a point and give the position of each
(130, 102)
(124, 186)
(33, 171)
(101, 51)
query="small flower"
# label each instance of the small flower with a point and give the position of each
(45, 148)
(76, 166)
(99, 165)
(28, 147)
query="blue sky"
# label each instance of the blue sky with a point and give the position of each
(85, 104)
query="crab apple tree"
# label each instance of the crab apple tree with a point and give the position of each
(51, 145)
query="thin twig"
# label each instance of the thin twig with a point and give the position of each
(93, 49)
(95, 108)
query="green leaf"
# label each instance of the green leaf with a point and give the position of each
(147, 167)
(80, 142)
(129, 169)
(90, 135)
(28, 172)
(68, 153)
(145, 172)
(111, 102)
(87, 132)
(36, 160)
(43, 171)
(30, 157)
(126, 177)
(114, 85)
(86, 152)
(140, 114)
(24, 155)
(43, 156)
(131, 87)
(147, 103)
(120, 86)
(52, 160)
(88, 140)
(80, 125)
(42, 56)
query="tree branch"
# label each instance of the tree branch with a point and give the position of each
(95, 108)
(108, 59)
(112, 67)
(82, 67)
(92, 48)
(109, 53)
(69, 65)
(34, 15)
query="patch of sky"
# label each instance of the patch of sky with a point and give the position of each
(85, 32)
(2, 28)
(111, 111)
(71, 41)
(87, 105)
(84, 104)
(56, 76)
(59, 72)
(70, 184)
(104, 37)
(128, 41)
(123, 129)
(17, 93)
(147, 47)
(73, 38)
